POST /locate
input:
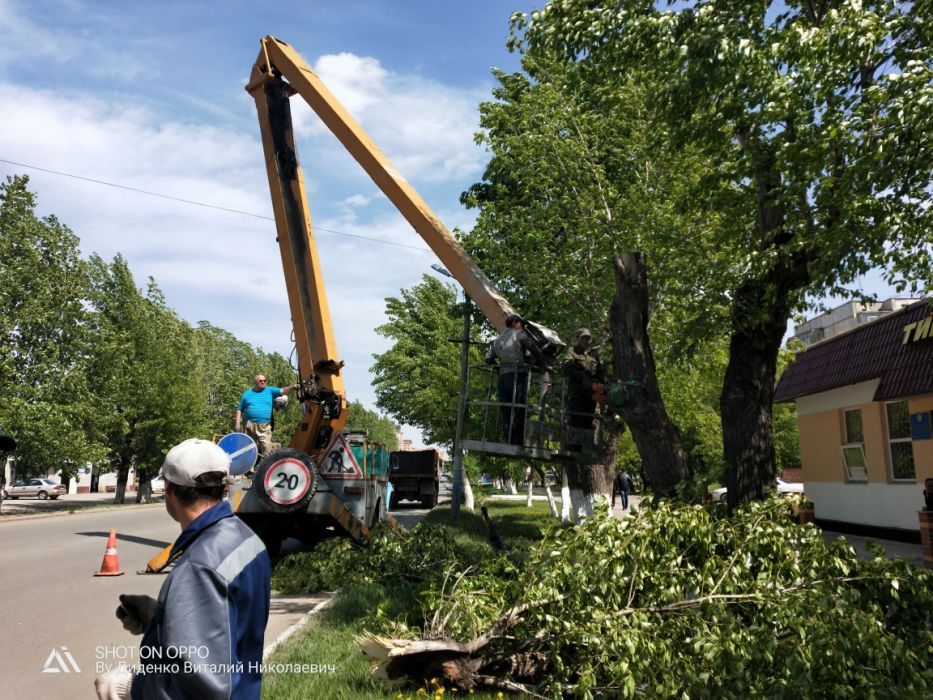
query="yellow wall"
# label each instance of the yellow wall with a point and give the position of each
(876, 442)
(820, 446)
(821, 439)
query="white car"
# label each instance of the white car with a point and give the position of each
(157, 485)
(784, 488)
(39, 488)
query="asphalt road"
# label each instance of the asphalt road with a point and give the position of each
(50, 598)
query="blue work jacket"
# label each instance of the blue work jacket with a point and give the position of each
(206, 638)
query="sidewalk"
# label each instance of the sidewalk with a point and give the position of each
(15, 509)
(893, 549)
(287, 615)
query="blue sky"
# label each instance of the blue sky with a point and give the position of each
(150, 95)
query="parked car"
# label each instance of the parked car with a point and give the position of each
(37, 488)
(157, 485)
(784, 488)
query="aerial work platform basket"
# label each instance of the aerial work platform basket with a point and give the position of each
(535, 421)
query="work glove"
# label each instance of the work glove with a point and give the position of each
(599, 393)
(135, 612)
(115, 684)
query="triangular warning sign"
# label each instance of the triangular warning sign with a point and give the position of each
(339, 462)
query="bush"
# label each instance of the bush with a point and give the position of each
(685, 601)
(421, 554)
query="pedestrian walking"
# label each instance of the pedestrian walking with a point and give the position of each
(622, 485)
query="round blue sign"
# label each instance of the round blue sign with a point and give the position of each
(242, 450)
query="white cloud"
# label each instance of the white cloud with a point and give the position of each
(212, 265)
(424, 127)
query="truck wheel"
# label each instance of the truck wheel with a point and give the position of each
(285, 480)
(393, 502)
(429, 501)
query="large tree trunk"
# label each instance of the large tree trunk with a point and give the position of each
(642, 407)
(748, 387)
(123, 475)
(143, 487)
(587, 486)
(761, 309)
(745, 408)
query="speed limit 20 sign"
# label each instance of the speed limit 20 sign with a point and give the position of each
(287, 481)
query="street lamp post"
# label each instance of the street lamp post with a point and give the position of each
(461, 401)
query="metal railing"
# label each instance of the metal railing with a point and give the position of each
(518, 411)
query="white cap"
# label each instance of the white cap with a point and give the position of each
(191, 458)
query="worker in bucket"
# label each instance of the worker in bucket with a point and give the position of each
(203, 637)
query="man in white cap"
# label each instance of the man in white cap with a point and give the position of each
(203, 637)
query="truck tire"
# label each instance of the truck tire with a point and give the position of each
(285, 480)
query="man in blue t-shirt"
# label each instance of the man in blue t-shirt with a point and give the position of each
(255, 409)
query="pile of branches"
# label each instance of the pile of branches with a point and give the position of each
(392, 556)
(676, 601)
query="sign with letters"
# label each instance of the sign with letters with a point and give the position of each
(918, 330)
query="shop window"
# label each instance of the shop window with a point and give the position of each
(853, 451)
(902, 449)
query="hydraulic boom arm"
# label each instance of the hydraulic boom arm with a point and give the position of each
(278, 73)
(278, 60)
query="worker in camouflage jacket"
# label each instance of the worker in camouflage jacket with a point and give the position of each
(582, 369)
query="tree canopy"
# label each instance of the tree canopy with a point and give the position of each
(760, 153)
(94, 369)
(379, 429)
(44, 337)
(417, 379)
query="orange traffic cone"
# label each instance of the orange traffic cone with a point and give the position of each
(111, 564)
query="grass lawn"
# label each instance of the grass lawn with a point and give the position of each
(328, 638)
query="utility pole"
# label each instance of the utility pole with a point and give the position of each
(461, 410)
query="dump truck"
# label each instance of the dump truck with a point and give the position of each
(415, 476)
